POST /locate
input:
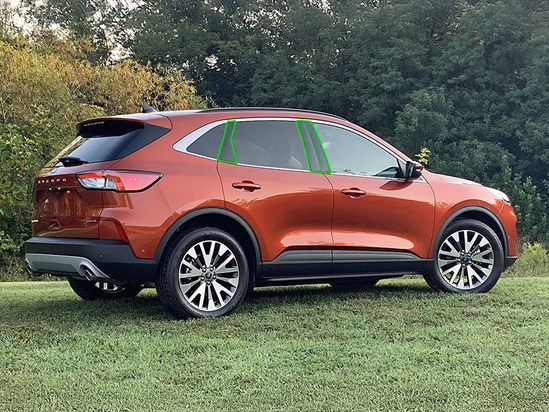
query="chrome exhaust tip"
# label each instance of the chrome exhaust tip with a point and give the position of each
(89, 274)
(28, 267)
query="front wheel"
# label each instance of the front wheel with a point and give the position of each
(469, 258)
(205, 274)
(89, 290)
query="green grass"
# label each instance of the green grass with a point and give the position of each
(400, 347)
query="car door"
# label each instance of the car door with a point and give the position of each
(381, 222)
(266, 179)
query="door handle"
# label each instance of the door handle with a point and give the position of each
(247, 185)
(353, 192)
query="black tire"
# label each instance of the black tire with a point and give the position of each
(354, 285)
(89, 290)
(203, 289)
(461, 260)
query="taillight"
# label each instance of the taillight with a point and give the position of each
(121, 181)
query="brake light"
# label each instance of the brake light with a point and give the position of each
(120, 181)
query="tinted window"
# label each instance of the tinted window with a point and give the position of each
(311, 141)
(350, 153)
(271, 143)
(109, 140)
(208, 144)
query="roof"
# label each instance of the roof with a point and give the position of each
(266, 109)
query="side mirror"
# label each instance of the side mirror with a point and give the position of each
(413, 170)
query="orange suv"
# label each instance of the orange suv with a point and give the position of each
(208, 204)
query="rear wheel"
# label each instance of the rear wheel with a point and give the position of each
(89, 290)
(469, 258)
(205, 274)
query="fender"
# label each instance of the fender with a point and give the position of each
(462, 211)
(206, 211)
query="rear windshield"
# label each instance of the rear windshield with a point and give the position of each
(108, 140)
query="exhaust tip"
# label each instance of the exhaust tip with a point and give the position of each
(28, 267)
(89, 274)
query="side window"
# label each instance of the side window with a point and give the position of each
(208, 144)
(270, 143)
(350, 153)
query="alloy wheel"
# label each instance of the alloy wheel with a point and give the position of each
(465, 259)
(208, 275)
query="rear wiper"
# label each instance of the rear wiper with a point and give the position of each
(72, 161)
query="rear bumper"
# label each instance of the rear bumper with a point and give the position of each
(94, 259)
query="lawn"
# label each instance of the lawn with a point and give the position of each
(400, 347)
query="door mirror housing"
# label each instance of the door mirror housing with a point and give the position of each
(412, 170)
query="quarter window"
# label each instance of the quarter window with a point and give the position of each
(350, 153)
(208, 144)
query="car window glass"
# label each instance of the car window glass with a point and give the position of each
(350, 153)
(270, 143)
(208, 144)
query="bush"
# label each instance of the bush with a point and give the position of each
(533, 262)
(46, 87)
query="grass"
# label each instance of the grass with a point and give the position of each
(400, 347)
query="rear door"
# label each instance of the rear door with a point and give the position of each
(266, 179)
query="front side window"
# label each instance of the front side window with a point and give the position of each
(351, 153)
(268, 143)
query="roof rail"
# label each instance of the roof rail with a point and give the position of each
(281, 109)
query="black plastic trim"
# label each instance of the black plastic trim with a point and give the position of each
(354, 256)
(200, 212)
(509, 260)
(467, 209)
(113, 257)
(323, 265)
(298, 263)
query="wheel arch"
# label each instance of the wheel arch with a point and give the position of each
(222, 219)
(478, 213)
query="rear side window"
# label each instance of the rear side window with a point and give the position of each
(108, 140)
(269, 143)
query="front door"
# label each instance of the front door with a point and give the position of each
(381, 222)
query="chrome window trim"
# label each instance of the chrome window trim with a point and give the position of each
(183, 144)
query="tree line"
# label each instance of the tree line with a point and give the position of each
(462, 83)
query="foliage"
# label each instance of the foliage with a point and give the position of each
(533, 262)
(46, 87)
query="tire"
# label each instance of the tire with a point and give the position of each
(215, 278)
(468, 259)
(89, 290)
(354, 286)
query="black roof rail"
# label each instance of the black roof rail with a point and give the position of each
(281, 109)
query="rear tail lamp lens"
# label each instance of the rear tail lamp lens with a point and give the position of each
(120, 181)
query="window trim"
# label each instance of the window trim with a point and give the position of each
(368, 138)
(182, 145)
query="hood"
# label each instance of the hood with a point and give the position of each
(457, 180)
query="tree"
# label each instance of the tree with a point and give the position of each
(46, 87)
